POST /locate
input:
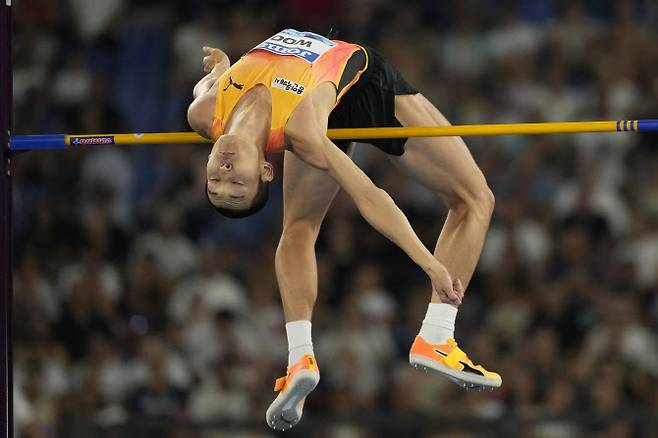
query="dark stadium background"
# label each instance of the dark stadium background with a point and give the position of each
(140, 312)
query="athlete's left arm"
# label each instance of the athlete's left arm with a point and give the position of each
(310, 143)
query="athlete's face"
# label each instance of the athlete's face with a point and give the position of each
(233, 172)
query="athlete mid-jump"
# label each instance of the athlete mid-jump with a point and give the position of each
(282, 96)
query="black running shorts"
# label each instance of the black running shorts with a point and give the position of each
(370, 102)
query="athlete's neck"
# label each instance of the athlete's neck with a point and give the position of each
(251, 118)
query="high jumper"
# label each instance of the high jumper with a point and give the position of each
(281, 97)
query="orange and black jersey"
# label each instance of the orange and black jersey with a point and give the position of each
(291, 64)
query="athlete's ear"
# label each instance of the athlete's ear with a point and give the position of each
(266, 172)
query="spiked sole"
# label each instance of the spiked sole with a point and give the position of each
(465, 380)
(286, 410)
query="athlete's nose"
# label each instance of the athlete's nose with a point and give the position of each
(226, 166)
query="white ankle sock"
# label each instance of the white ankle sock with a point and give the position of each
(299, 340)
(439, 323)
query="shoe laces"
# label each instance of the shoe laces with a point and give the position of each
(453, 343)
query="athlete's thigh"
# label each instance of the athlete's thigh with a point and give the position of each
(307, 191)
(442, 164)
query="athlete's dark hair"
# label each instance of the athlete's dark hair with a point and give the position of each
(256, 205)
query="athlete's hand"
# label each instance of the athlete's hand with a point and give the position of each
(213, 57)
(444, 285)
(458, 289)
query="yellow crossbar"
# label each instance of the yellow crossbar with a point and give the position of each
(58, 141)
(401, 132)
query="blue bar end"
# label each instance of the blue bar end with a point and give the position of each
(37, 142)
(647, 125)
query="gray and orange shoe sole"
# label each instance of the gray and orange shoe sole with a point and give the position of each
(287, 409)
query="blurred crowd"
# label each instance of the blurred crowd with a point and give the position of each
(135, 303)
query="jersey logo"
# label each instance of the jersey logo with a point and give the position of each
(288, 85)
(304, 45)
(235, 84)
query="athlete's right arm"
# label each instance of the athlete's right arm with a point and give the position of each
(215, 64)
(200, 112)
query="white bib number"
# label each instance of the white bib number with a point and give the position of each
(305, 45)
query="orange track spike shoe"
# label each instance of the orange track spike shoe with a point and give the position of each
(286, 410)
(448, 360)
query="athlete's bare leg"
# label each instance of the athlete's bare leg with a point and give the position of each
(307, 194)
(445, 166)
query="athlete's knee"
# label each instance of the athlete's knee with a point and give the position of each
(476, 199)
(299, 232)
(486, 201)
